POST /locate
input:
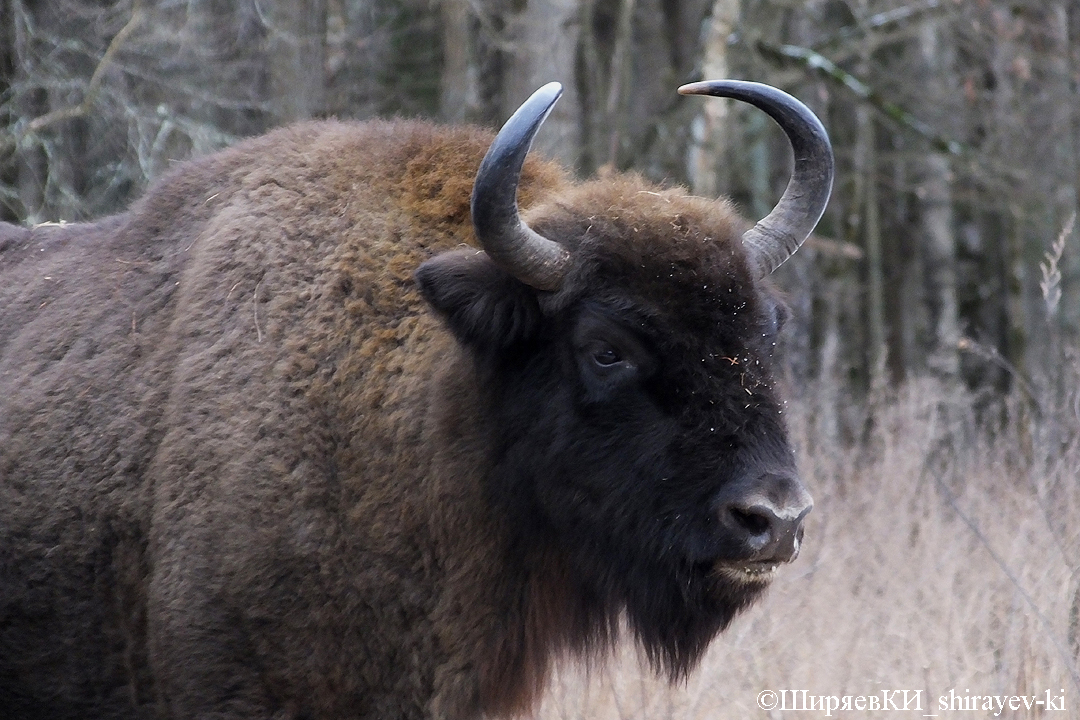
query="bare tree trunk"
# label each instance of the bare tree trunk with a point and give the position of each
(936, 212)
(621, 77)
(867, 177)
(759, 154)
(457, 85)
(8, 175)
(1004, 99)
(762, 19)
(297, 58)
(359, 58)
(935, 199)
(547, 33)
(31, 166)
(710, 127)
(1070, 301)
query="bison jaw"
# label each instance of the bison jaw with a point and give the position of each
(747, 573)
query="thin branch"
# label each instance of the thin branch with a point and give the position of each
(880, 20)
(813, 60)
(93, 89)
(834, 248)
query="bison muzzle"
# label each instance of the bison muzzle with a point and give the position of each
(324, 426)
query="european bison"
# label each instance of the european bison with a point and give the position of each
(279, 442)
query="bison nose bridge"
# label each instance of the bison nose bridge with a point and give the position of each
(767, 517)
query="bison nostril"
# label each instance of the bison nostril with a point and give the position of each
(767, 531)
(753, 520)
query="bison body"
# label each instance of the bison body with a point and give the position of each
(255, 463)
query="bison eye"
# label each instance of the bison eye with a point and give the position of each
(606, 356)
(612, 357)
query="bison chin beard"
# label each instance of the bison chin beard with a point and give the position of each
(675, 632)
(672, 612)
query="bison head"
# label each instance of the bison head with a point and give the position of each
(622, 335)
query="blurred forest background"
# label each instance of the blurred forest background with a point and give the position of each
(934, 350)
(956, 125)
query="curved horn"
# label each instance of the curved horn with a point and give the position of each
(779, 234)
(513, 245)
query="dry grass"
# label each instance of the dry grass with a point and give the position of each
(939, 557)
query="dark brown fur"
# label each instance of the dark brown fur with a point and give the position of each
(241, 471)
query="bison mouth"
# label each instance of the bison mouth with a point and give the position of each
(746, 572)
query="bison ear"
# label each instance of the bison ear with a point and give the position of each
(484, 306)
